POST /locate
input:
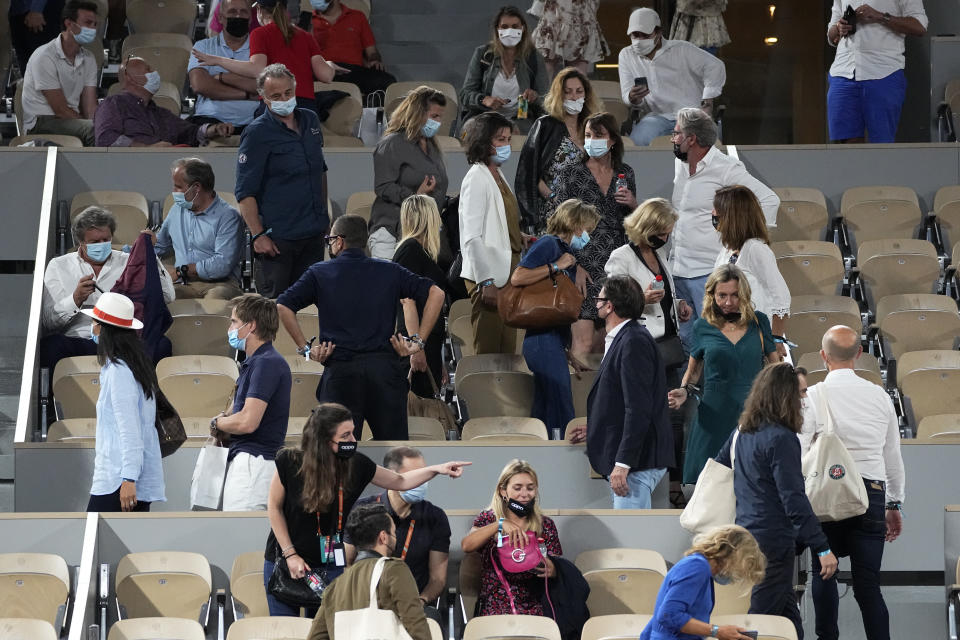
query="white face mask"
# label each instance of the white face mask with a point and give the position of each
(510, 37)
(152, 83)
(573, 106)
(644, 46)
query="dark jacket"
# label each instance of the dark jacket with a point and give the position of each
(542, 142)
(627, 416)
(483, 69)
(568, 599)
(768, 483)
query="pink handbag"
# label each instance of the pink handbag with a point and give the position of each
(517, 560)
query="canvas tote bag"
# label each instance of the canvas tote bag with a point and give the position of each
(371, 623)
(713, 502)
(206, 486)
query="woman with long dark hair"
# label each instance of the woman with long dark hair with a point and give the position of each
(312, 492)
(127, 474)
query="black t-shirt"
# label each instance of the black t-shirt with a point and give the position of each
(302, 525)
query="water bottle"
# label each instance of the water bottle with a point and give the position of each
(315, 582)
(621, 181)
(658, 283)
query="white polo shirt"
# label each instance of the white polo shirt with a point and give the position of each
(874, 51)
(49, 68)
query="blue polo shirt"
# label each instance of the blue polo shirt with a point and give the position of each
(264, 375)
(357, 300)
(236, 112)
(284, 171)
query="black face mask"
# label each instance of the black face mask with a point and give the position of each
(733, 316)
(237, 27)
(656, 242)
(345, 450)
(522, 509)
(716, 222)
(681, 155)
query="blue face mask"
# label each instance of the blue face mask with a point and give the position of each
(502, 154)
(284, 108)
(580, 241)
(430, 128)
(722, 580)
(94, 336)
(596, 147)
(152, 83)
(236, 342)
(180, 199)
(319, 5)
(98, 251)
(415, 495)
(86, 35)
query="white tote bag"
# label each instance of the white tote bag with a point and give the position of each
(371, 623)
(206, 487)
(833, 484)
(713, 502)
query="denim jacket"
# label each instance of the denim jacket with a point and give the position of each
(482, 71)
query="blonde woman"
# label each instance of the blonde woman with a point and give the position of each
(406, 161)
(722, 555)
(417, 252)
(513, 512)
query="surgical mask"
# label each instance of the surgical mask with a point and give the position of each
(656, 242)
(644, 46)
(580, 241)
(237, 27)
(93, 336)
(152, 83)
(86, 35)
(596, 147)
(430, 128)
(98, 251)
(681, 155)
(733, 316)
(346, 449)
(283, 108)
(319, 5)
(522, 509)
(236, 342)
(722, 580)
(510, 37)
(415, 495)
(180, 198)
(715, 221)
(502, 154)
(573, 106)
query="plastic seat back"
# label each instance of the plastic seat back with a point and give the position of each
(889, 267)
(309, 324)
(731, 599)
(495, 394)
(461, 332)
(305, 378)
(72, 429)
(200, 335)
(344, 116)
(35, 586)
(866, 366)
(419, 428)
(360, 203)
(624, 626)
(943, 428)
(946, 206)
(881, 212)
(153, 628)
(809, 267)
(930, 379)
(162, 16)
(76, 386)
(167, 53)
(620, 558)
(26, 629)
(918, 322)
(802, 215)
(512, 628)
(246, 585)
(619, 591)
(770, 627)
(167, 584)
(269, 628)
(811, 316)
(504, 428)
(128, 207)
(491, 362)
(469, 581)
(198, 385)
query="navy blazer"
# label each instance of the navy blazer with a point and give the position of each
(627, 416)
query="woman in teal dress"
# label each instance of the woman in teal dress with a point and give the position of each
(732, 342)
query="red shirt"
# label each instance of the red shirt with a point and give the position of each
(295, 56)
(344, 40)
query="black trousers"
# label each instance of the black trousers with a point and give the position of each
(274, 275)
(374, 387)
(367, 80)
(111, 502)
(25, 41)
(55, 347)
(774, 595)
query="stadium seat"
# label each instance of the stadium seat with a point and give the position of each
(622, 580)
(228, 197)
(496, 393)
(880, 213)
(802, 215)
(930, 379)
(309, 324)
(809, 267)
(294, 431)
(461, 334)
(360, 204)
(468, 580)
(162, 16)
(731, 599)
(59, 140)
(490, 362)
(662, 142)
(36, 586)
(504, 428)
(419, 428)
(951, 276)
(609, 93)
(511, 628)
(516, 143)
(397, 91)
(449, 143)
(770, 627)
(76, 386)
(269, 628)
(128, 207)
(167, 584)
(459, 309)
(26, 629)
(199, 306)
(620, 558)
(943, 428)
(200, 335)
(946, 207)
(915, 322)
(247, 595)
(305, 380)
(436, 633)
(866, 366)
(196, 427)
(344, 115)
(624, 626)
(153, 628)
(167, 96)
(167, 53)
(811, 316)
(72, 429)
(332, 141)
(580, 385)
(198, 385)
(887, 267)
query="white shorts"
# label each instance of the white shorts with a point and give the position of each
(247, 483)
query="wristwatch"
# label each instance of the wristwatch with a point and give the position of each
(184, 272)
(213, 424)
(416, 339)
(886, 17)
(714, 630)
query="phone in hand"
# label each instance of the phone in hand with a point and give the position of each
(850, 17)
(640, 81)
(750, 634)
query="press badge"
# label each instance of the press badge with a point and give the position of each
(339, 556)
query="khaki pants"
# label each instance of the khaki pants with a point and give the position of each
(490, 335)
(223, 290)
(78, 128)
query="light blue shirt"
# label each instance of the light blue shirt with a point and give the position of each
(236, 112)
(210, 239)
(127, 444)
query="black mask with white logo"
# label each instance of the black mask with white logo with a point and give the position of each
(716, 222)
(733, 316)
(656, 242)
(522, 509)
(346, 449)
(237, 27)
(681, 155)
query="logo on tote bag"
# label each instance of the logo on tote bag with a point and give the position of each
(837, 472)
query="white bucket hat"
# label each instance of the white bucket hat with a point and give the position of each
(114, 309)
(643, 20)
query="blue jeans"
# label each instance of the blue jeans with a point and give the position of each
(691, 290)
(774, 595)
(650, 127)
(640, 484)
(872, 105)
(861, 538)
(552, 397)
(278, 607)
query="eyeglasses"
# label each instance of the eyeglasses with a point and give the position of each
(599, 299)
(331, 238)
(674, 134)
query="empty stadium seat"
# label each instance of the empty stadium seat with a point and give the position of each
(26, 629)
(360, 203)
(76, 386)
(468, 580)
(199, 306)
(490, 362)
(344, 115)
(809, 267)
(609, 93)
(227, 196)
(72, 429)
(305, 378)
(167, 96)
(167, 53)
(35, 586)
(294, 431)
(269, 628)
(624, 626)
(332, 141)
(167, 584)
(887, 267)
(436, 633)
(156, 627)
(811, 316)
(880, 213)
(517, 142)
(930, 379)
(247, 595)
(449, 143)
(60, 140)
(731, 599)
(419, 428)
(504, 428)
(198, 385)
(944, 428)
(802, 215)
(580, 385)
(200, 334)
(915, 322)
(662, 142)
(620, 558)
(459, 309)
(162, 16)
(946, 207)
(512, 628)
(397, 91)
(461, 334)
(128, 207)
(622, 580)
(866, 366)
(309, 323)
(770, 627)
(196, 427)
(496, 393)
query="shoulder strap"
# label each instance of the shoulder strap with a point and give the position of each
(375, 580)
(503, 581)
(733, 448)
(823, 409)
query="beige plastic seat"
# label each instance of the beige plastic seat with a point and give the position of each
(294, 432)
(309, 322)
(449, 143)
(770, 627)
(227, 196)
(897, 266)
(34, 585)
(517, 141)
(622, 580)
(76, 386)
(609, 93)
(162, 16)
(496, 394)
(199, 306)
(203, 335)
(63, 141)
(128, 207)
(504, 428)
(461, 332)
(167, 96)
(811, 316)
(305, 378)
(198, 385)
(72, 429)
(880, 212)
(345, 113)
(809, 267)
(662, 142)
(419, 428)
(153, 628)
(26, 629)
(491, 362)
(468, 580)
(360, 203)
(167, 53)
(436, 633)
(915, 322)
(731, 599)
(580, 385)
(802, 215)
(333, 141)
(269, 628)
(944, 428)
(930, 379)
(624, 626)
(397, 91)
(946, 206)
(512, 628)
(459, 309)
(167, 584)
(866, 366)
(246, 586)
(621, 558)
(196, 427)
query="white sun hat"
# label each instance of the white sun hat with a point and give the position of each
(114, 309)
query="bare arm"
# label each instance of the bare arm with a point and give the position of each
(438, 576)
(88, 102)
(247, 420)
(478, 537)
(387, 479)
(58, 102)
(289, 320)
(247, 68)
(275, 512)
(247, 85)
(694, 371)
(251, 214)
(411, 319)
(523, 276)
(431, 311)
(321, 70)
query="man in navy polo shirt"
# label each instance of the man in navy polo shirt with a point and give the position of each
(257, 423)
(282, 184)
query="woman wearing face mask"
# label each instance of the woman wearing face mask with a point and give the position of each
(312, 492)
(504, 70)
(406, 161)
(513, 511)
(555, 142)
(732, 344)
(545, 350)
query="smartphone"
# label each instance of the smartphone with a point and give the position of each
(850, 17)
(750, 634)
(640, 81)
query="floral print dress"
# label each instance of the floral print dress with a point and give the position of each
(568, 155)
(569, 30)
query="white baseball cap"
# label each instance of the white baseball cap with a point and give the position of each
(643, 20)
(114, 309)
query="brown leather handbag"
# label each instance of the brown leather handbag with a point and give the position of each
(551, 302)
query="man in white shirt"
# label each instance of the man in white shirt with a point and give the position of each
(866, 423)
(664, 76)
(60, 82)
(700, 170)
(867, 84)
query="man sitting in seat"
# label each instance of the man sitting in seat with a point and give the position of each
(205, 234)
(223, 96)
(132, 119)
(75, 281)
(345, 38)
(60, 82)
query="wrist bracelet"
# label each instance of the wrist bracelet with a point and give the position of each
(895, 505)
(262, 233)
(820, 554)
(714, 630)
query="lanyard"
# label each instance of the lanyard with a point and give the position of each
(406, 544)
(326, 546)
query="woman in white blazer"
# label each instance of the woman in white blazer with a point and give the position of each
(490, 237)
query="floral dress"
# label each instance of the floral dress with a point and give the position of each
(568, 155)
(700, 22)
(568, 29)
(526, 587)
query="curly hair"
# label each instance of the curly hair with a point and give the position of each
(734, 552)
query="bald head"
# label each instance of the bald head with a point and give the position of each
(841, 346)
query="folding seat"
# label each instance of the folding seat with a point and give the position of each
(76, 386)
(294, 432)
(490, 362)
(269, 628)
(247, 595)
(419, 428)
(661, 142)
(305, 378)
(332, 141)
(468, 581)
(167, 53)
(810, 267)
(436, 633)
(496, 393)
(887, 267)
(162, 16)
(128, 207)
(227, 196)
(35, 586)
(397, 91)
(459, 309)
(70, 142)
(449, 143)
(167, 96)
(26, 629)
(504, 429)
(197, 428)
(930, 380)
(609, 93)
(802, 215)
(731, 599)
(624, 626)
(198, 385)
(915, 322)
(309, 322)
(880, 213)
(811, 316)
(200, 335)
(199, 306)
(620, 558)
(770, 627)
(866, 366)
(461, 334)
(360, 203)
(512, 628)
(580, 385)
(944, 428)
(951, 276)
(622, 580)
(517, 142)
(344, 115)
(153, 628)
(166, 584)
(72, 429)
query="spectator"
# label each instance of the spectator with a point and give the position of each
(568, 33)
(345, 38)
(513, 512)
(33, 23)
(867, 84)
(674, 73)
(60, 81)
(76, 280)
(802, 379)
(701, 169)
(314, 489)
(686, 597)
(743, 233)
(204, 233)
(546, 350)
(223, 96)
(504, 70)
(407, 160)
(700, 22)
(490, 236)
(733, 342)
(555, 142)
(127, 474)
(768, 483)
(423, 531)
(866, 423)
(417, 252)
(257, 422)
(357, 299)
(282, 184)
(215, 26)
(132, 119)
(596, 180)
(628, 430)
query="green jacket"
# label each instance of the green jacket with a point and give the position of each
(483, 69)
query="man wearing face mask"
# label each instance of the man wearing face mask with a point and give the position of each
(345, 38)
(257, 422)
(660, 76)
(60, 81)
(132, 119)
